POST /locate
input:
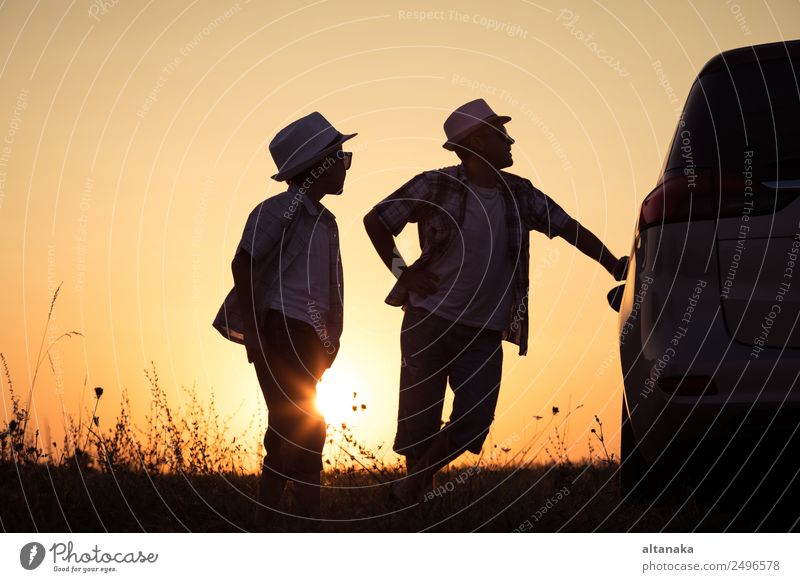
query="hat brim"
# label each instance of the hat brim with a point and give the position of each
(451, 143)
(289, 171)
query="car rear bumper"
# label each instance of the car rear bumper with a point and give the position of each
(671, 327)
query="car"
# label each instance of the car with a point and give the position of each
(709, 330)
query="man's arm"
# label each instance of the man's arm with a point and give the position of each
(419, 281)
(242, 269)
(585, 241)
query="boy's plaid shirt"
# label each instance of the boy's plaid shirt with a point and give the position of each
(436, 200)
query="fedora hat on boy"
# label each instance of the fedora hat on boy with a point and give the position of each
(302, 143)
(467, 119)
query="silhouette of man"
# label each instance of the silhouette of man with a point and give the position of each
(286, 307)
(467, 291)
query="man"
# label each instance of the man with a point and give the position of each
(467, 291)
(286, 307)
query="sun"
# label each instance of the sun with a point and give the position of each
(338, 397)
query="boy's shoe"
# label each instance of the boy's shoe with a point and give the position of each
(401, 496)
(268, 522)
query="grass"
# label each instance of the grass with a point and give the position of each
(181, 472)
(67, 498)
(184, 472)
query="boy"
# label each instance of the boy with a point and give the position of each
(286, 307)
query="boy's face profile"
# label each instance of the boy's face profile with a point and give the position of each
(333, 173)
(336, 173)
(327, 175)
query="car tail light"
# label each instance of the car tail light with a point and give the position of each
(688, 385)
(682, 195)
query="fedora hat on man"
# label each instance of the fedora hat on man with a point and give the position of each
(467, 119)
(302, 143)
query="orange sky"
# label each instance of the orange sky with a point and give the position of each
(134, 146)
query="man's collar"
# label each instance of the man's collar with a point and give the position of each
(461, 174)
(461, 179)
(503, 178)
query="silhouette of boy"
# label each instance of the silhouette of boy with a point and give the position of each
(286, 307)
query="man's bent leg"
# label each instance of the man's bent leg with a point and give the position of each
(475, 379)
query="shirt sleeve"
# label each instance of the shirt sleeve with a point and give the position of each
(542, 213)
(406, 204)
(262, 231)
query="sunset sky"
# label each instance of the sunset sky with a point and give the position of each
(135, 144)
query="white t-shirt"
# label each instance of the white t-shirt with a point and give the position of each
(475, 272)
(305, 285)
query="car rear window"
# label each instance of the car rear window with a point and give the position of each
(744, 119)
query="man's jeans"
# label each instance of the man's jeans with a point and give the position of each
(434, 350)
(294, 363)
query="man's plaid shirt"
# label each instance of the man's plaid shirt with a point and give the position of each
(436, 200)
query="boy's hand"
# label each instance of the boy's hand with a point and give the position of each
(421, 282)
(253, 349)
